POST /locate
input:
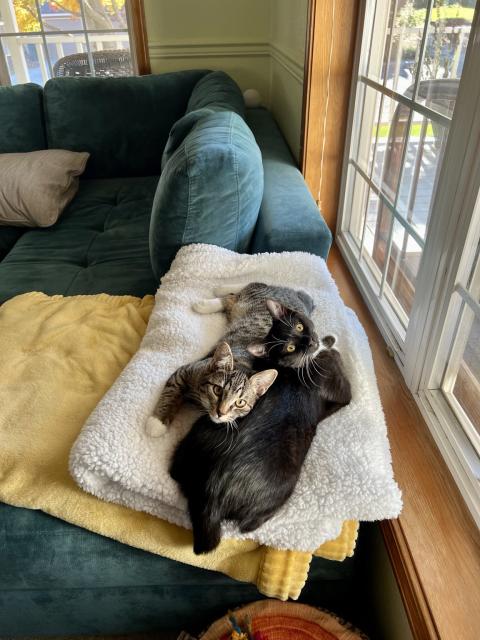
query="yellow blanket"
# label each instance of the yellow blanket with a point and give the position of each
(58, 356)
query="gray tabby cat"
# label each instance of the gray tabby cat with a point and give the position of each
(222, 384)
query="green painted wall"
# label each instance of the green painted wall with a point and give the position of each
(260, 43)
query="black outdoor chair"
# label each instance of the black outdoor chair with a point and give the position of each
(109, 63)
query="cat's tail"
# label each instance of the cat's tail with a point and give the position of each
(206, 524)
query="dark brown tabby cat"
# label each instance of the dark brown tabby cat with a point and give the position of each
(214, 384)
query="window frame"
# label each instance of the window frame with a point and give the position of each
(417, 353)
(135, 30)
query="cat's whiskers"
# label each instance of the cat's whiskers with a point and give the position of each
(300, 375)
(321, 373)
(307, 369)
(318, 367)
(220, 444)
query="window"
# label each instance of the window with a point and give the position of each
(40, 40)
(409, 224)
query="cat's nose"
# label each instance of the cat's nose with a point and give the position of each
(222, 410)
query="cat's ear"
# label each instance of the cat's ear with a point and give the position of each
(276, 309)
(257, 349)
(222, 357)
(261, 382)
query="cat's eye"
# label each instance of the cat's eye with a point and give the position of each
(290, 348)
(299, 327)
(217, 390)
(240, 403)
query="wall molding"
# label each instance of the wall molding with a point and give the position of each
(218, 49)
(288, 62)
(162, 50)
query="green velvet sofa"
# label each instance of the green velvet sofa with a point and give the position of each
(55, 578)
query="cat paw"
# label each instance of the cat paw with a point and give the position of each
(155, 428)
(208, 306)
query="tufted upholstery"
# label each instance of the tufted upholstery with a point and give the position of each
(99, 245)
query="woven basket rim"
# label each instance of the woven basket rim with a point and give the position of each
(328, 621)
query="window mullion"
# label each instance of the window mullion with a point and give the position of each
(408, 102)
(467, 298)
(44, 39)
(87, 39)
(452, 208)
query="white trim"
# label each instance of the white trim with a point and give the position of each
(452, 208)
(391, 331)
(287, 60)
(160, 50)
(220, 49)
(449, 250)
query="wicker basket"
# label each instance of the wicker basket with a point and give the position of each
(274, 620)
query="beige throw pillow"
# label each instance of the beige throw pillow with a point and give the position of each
(36, 187)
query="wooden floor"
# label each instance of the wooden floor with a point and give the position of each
(434, 545)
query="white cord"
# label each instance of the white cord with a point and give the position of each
(326, 105)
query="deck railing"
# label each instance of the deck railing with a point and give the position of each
(34, 65)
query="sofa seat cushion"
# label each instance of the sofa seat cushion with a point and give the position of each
(99, 245)
(42, 552)
(68, 581)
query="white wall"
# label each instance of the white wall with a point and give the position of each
(260, 43)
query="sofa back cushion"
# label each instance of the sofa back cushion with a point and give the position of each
(210, 190)
(122, 122)
(217, 90)
(21, 119)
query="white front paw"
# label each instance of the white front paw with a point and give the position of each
(155, 428)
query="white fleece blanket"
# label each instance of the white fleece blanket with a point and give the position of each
(347, 473)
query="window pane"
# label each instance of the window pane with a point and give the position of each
(405, 256)
(425, 149)
(377, 230)
(380, 39)
(18, 16)
(25, 59)
(359, 204)
(105, 14)
(397, 38)
(111, 54)
(391, 137)
(467, 384)
(369, 127)
(68, 55)
(445, 49)
(407, 31)
(61, 16)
